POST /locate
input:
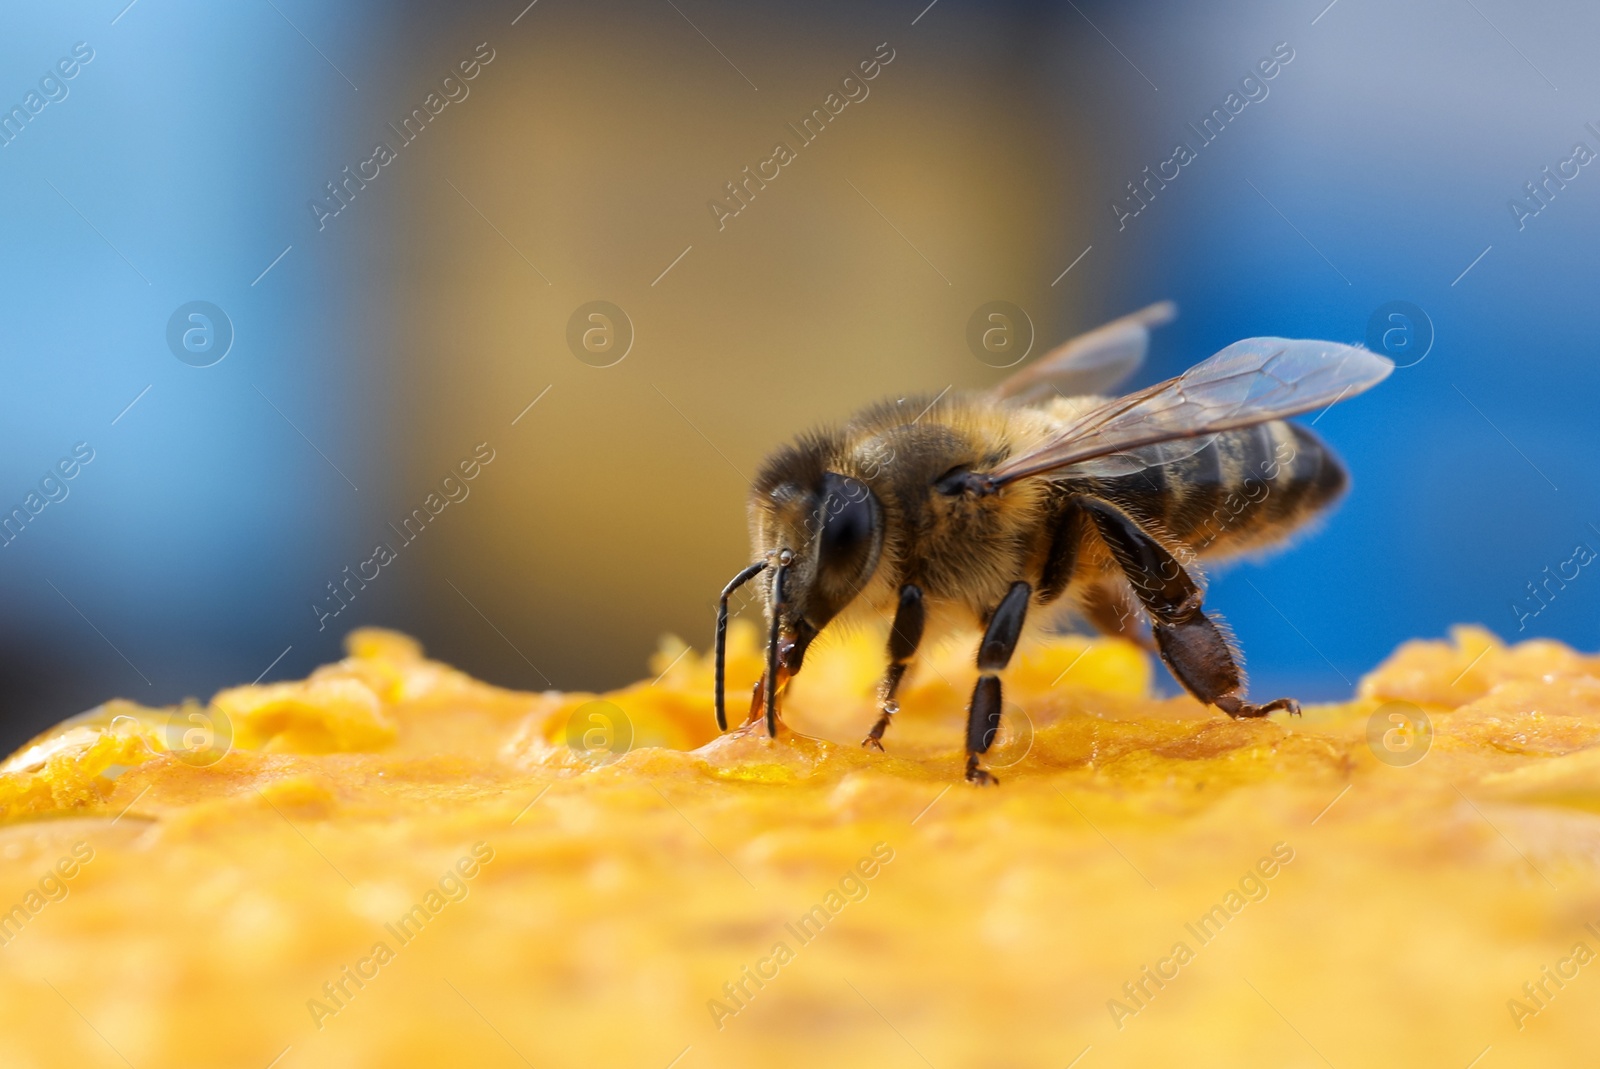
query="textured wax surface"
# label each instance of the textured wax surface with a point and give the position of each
(392, 864)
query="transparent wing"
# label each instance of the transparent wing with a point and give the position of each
(1249, 382)
(1092, 363)
(1128, 461)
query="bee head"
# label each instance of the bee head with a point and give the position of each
(827, 530)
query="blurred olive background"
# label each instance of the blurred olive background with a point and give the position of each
(377, 348)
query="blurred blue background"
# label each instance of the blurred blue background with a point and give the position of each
(374, 353)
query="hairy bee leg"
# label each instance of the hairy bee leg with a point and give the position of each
(994, 653)
(887, 706)
(1191, 644)
(905, 635)
(983, 722)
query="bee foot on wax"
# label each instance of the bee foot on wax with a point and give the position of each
(980, 777)
(1248, 711)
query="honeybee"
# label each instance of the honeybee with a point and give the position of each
(998, 509)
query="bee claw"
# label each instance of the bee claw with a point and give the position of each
(980, 777)
(871, 742)
(1246, 710)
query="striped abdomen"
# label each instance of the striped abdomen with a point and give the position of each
(1246, 490)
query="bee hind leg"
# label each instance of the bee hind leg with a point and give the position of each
(994, 653)
(905, 634)
(1192, 645)
(1202, 659)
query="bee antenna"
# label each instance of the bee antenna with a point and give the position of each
(772, 646)
(722, 635)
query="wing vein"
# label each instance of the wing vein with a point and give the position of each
(1249, 382)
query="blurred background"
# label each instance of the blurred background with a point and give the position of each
(279, 269)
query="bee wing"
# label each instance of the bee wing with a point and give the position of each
(1249, 382)
(1091, 363)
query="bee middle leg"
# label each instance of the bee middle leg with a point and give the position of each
(905, 635)
(994, 653)
(1191, 644)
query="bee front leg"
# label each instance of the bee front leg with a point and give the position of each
(1191, 644)
(994, 653)
(905, 634)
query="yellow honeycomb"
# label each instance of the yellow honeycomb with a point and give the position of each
(393, 864)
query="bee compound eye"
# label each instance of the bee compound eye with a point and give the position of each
(849, 517)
